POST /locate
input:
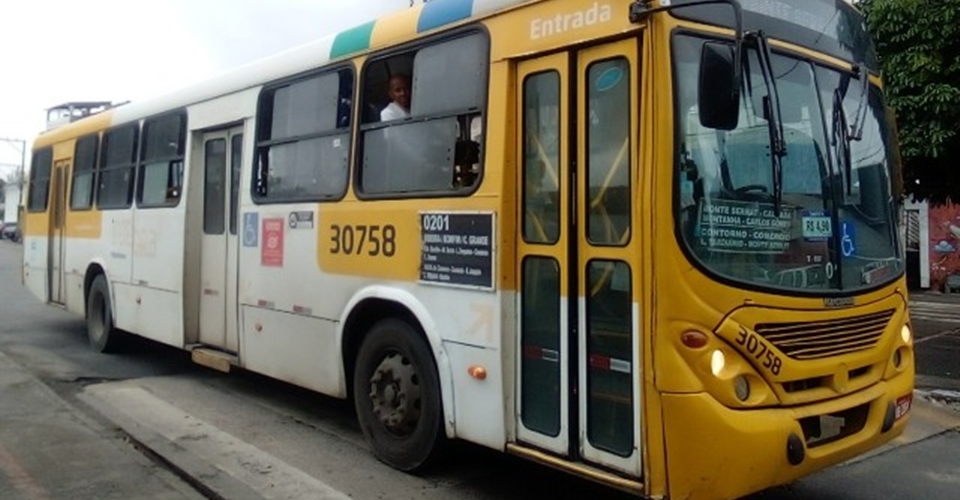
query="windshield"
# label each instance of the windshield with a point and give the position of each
(827, 233)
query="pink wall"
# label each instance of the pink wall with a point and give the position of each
(944, 243)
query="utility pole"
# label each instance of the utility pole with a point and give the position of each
(23, 164)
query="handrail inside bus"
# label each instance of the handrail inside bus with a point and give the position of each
(550, 167)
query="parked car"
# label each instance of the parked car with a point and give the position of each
(9, 231)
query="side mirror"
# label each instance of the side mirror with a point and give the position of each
(718, 97)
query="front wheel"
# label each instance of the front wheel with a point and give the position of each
(396, 392)
(102, 334)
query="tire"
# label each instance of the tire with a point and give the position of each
(101, 332)
(396, 392)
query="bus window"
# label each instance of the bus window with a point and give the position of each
(608, 157)
(425, 138)
(304, 139)
(117, 167)
(40, 180)
(84, 172)
(161, 161)
(541, 158)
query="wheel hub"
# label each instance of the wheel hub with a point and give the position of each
(395, 394)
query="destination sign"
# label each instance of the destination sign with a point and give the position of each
(733, 226)
(457, 249)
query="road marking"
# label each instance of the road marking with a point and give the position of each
(935, 336)
(264, 473)
(935, 311)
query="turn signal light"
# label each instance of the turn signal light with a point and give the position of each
(478, 372)
(694, 339)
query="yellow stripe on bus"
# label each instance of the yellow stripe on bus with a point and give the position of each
(395, 28)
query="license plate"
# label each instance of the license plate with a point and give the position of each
(903, 406)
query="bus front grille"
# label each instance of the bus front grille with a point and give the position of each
(822, 339)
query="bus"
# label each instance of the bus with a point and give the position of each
(652, 244)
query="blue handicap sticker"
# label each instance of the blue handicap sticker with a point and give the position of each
(251, 233)
(847, 239)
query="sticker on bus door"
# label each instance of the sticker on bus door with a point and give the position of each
(251, 238)
(271, 253)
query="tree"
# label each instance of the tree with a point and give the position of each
(918, 42)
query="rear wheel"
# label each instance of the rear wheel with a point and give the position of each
(100, 330)
(397, 396)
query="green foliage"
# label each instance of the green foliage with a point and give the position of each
(918, 42)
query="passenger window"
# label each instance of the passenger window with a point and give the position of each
(303, 139)
(84, 172)
(40, 180)
(117, 167)
(423, 120)
(161, 161)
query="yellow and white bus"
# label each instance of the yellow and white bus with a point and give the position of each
(651, 244)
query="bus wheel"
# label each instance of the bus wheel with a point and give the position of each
(397, 396)
(100, 330)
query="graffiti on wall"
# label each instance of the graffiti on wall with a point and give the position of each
(944, 243)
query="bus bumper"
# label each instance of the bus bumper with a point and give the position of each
(718, 452)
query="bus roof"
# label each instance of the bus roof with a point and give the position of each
(394, 28)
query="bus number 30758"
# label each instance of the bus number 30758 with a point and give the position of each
(759, 350)
(359, 239)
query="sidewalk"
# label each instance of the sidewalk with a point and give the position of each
(50, 451)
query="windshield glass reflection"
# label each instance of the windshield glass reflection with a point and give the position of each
(824, 236)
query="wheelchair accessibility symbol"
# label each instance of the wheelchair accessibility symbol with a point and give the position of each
(847, 245)
(251, 237)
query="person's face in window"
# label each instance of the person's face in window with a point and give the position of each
(400, 90)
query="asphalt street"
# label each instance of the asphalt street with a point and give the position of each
(936, 321)
(147, 423)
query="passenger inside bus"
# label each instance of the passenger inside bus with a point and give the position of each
(399, 92)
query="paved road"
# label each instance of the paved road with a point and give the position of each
(936, 321)
(246, 436)
(941, 312)
(49, 449)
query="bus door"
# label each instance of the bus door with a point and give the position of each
(578, 256)
(222, 157)
(58, 208)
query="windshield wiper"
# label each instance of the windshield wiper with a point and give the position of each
(771, 109)
(856, 129)
(843, 135)
(841, 140)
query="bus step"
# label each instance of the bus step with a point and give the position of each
(212, 358)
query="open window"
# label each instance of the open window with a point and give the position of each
(431, 143)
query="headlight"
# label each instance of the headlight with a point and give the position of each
(717, 362)
(906, 334)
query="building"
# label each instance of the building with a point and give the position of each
(12, 197)
(932, 244)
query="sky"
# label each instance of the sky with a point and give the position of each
(57, 51)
